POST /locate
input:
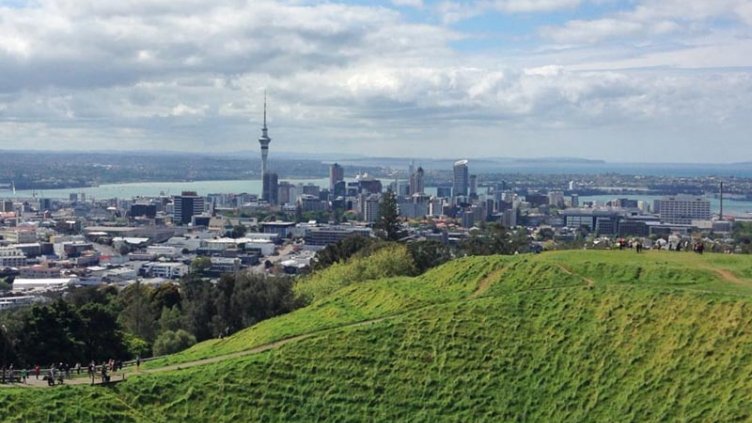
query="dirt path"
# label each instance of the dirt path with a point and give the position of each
(590, 282)
(487, 282)
(119, 376)
(729, 276)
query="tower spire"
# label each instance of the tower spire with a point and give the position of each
(265, 129)
(264, 142)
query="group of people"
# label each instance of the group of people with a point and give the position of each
(696, 246)
(58, 373)
(9, 374)
(637, 245)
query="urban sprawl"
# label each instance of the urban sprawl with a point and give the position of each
(48, 245)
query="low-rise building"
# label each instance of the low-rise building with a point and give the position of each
(12, 257)
(321, 236)
(41, 285)
(165, 270)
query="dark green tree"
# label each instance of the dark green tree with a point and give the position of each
(341, 251)
(100, 334)
(171, 342)
(138, 315)
(388, 225)
(238, 231)
(428, 254)
(51, 334)
(200, 265)
(198, 306)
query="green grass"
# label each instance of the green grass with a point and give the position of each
(352, 304)
(566, 336)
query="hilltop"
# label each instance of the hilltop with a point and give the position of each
(564, 336)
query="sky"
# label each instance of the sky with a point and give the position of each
(626, 81)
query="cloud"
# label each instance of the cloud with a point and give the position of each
(650, 19)
(109, 43)
(408, 3)
(454, 11)
(529, 6)
(191, 75)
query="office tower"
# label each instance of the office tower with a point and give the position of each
(473, 185)
(443, 192)
(416, 181)
(682, 209)
(270, 188)
(461, 180)
(45, 204)
(186, 205)
(336, 174)
(340, 189)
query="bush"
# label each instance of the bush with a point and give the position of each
(170, 342)
(389, 261)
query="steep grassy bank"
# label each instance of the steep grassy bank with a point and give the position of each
(571, 336)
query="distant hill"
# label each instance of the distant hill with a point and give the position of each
(564, 336)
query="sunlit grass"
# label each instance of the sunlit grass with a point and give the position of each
(567, 336)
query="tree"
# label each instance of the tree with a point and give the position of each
(166, 296)
(200, 265)
(428, 254)
(171, 342)
(51, 334)
(138, 316)
(100, 334)
(198, 306)
(171, 319)
(495, 239)
(341, 251)
(238, 231)
(388, 226)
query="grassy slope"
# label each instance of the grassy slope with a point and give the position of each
(620, 338)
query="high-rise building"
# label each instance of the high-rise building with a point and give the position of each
(556, 198)
(286, 193)
(270, 188)
(416, 182)
(461, 179)
(186, 205)
(264, 142)
(336, 174)
(6, 206)
(682, 209)
(473, 185)
(369, 207)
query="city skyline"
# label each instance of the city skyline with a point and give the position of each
(618, 81)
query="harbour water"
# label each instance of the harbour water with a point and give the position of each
(152, 189)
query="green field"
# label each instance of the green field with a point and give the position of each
(561, 336)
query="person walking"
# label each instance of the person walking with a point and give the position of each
(92, 371)
(138, 362)
(37, 370)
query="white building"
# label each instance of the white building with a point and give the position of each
(14, 302)
(165, 270)
(163, 251)
(264, 247)
(11, 257)
(19, 235)
(40, 285)
(682, 209)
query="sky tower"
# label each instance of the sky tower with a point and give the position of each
(264, 141)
